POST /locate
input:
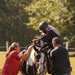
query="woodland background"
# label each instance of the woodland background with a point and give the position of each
(19, 19)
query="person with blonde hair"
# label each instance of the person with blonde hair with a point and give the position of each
(12, 63)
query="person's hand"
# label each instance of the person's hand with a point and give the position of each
(30, 47)
(35, 40)
(28, 52)
(23, 51)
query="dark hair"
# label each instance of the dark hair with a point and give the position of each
(12, 47)
(56, 40)
(43, 25)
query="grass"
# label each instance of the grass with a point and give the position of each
(2, 59)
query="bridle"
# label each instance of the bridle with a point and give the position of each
(39, 53)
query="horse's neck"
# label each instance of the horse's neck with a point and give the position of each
(42, 58)
(31, 58)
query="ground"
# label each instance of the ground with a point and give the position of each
(2, 59)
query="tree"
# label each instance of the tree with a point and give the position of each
(20, 17)
(13, 20)
(59, 13)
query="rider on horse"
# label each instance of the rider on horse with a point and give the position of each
(48, 32)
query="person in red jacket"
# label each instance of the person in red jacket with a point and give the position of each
(12, 63)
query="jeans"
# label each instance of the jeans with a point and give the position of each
(64, 74)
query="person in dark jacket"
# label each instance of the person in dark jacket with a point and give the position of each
(48, 32)
(59, 58)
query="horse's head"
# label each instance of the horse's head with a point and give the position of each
(39, 59)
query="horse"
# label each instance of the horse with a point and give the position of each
(36, 62)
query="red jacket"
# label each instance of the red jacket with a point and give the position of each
(12, 63)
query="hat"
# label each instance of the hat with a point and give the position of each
(43, 25)
(56, 40)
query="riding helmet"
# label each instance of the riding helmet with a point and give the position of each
(43, 25)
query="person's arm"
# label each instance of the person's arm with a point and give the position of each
(51, 65)
(51, 61)
(36, 40)
(25, 57)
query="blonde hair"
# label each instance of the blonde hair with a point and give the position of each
(12, 47)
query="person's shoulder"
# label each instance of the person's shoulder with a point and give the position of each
(14, 52)
(62, 47)
(54, 50)
(50, 31)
